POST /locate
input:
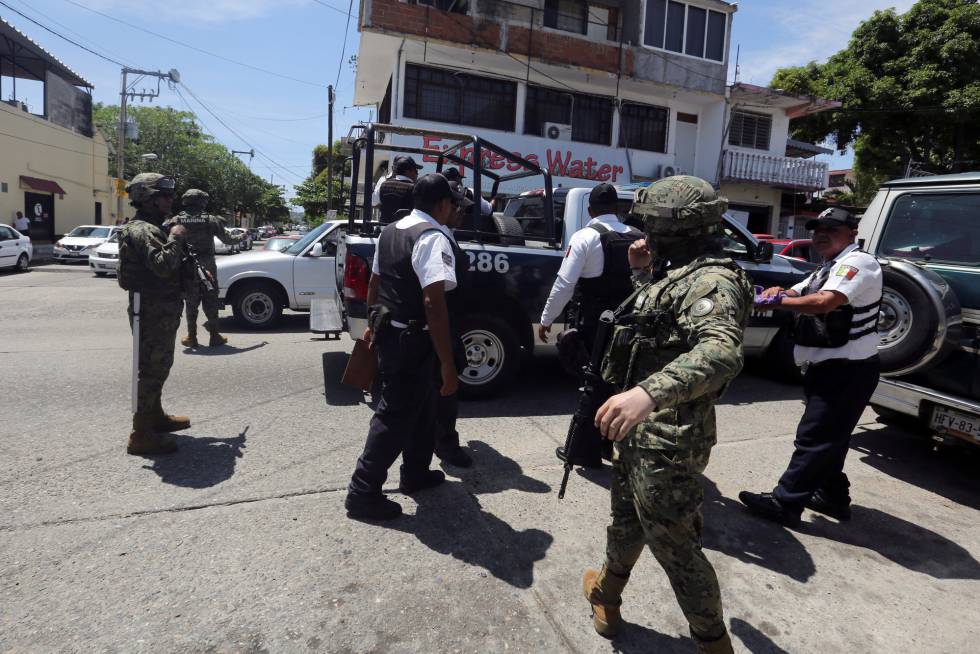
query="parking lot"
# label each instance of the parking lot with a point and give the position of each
(239, 543)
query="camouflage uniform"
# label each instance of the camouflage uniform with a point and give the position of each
(202, 228)
(683, 349)
(150, 263)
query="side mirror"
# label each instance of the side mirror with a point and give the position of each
(763, 252)
(317, 251)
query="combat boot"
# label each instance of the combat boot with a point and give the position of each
(721, 645)
(167, 423)
(190, 340)
(217, 340)
(144, 440)
(604, 590)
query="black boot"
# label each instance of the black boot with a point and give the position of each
(454, 455)
(767, 506)
(415, 482)
(371, 507)
(821, 503)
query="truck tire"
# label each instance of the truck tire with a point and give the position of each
(907, 323)
(510, 230)
(493, 356)
(257, 305)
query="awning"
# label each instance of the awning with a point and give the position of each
(41, 185)
(804, 150)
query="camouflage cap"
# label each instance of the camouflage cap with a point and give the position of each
(145, 185)
(679, 205)
(194, 197)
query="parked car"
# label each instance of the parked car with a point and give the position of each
(799, 248)
(254, 233)
(82, 241)
(280, 243)
(246, 243)
(925, 233)
(15, 249)
(105, 259)
(220, 247)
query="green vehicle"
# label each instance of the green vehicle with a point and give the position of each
(925, 231)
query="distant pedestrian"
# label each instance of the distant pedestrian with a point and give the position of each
(22, 224)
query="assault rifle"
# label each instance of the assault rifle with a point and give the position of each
(201, 274)
(595, 391)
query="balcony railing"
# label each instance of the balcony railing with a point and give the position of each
(784, 172)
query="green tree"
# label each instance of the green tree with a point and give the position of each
(311, 194)
(909, 85)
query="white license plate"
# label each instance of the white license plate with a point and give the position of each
(954, 422)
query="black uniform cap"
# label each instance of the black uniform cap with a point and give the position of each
(433, 187)
(603, 195)
(833, 217)
(453, 174)
(403, 164)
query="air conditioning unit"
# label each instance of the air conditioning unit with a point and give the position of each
(669, 171)
(557, 132)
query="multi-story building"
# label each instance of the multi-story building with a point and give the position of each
(611, 90)
(54, 166)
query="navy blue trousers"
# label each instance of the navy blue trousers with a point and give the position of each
(836, 395)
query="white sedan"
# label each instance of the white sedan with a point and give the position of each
(105, 259)
(15, 249)
(82, 241)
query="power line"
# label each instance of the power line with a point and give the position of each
(62, 36)
(331, 7)
(194, 47)
(70, 31)
(56, 147)
(277, 120)
(343, 48)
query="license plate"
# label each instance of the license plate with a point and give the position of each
(954, 422)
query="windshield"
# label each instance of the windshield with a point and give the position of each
(114, 238)
(940, 227)
(90, 232)
(297, 248)
(279, 244)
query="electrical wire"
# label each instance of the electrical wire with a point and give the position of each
(337, 9)
(62, 36)
(67, 29)
(194, 47)
(343, 48)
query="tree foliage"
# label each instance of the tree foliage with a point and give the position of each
(193, 159)
(311, 194)
(910, 89)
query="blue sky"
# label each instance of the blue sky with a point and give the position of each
(303, 39)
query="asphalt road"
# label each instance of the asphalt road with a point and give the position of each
(239, 543)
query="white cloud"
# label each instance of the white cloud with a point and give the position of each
(212, 11)
(802, 31)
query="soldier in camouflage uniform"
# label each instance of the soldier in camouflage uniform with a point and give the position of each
(674, 353)
(150, 263)
(202, 228)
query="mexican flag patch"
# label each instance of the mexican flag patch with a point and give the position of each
(850, 272)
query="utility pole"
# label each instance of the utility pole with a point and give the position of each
(250, 153)
(172, 77)
(330, 99)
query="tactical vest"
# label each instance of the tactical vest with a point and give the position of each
(396, 196)
(200, 230)
(400, 291)
(133, 274)
(454, 298)
(593, 295)
(838, 327)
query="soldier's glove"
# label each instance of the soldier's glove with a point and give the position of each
(770, 301)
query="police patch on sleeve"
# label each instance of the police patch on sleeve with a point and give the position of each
(702, 307)
(447, 259)
(850, 272)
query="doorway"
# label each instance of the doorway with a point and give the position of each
(685, 143)
(39, 209)
(98, 213)
(759, 217)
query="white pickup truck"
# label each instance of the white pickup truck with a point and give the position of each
(259, 285)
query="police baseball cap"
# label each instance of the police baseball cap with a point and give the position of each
(432, 188)
(603, 195)
(403, 164)
(464, 202)
(833, 217)
(453, 174)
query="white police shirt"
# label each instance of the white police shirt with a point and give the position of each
(582, 259)
(433, 259)
(376, 196)
(857, 275)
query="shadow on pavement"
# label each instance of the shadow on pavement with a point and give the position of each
(492, 472)
(731, 530)
(542, 389)
(909, 457)
(751, 388)
(754, 640)
(638, 639)
(900, 541)
(335, 393)
(201, 462)
(289, 323)
(223, 350)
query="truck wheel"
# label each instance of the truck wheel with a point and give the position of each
(510, 230)
(257, 305)
(907, 322)
(23, 262)
(493, 356)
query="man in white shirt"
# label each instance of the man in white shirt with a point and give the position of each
(393, 194)
(836, 334)
(454, 174)
(22, 224)
(414, 267)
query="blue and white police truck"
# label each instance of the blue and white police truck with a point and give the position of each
(515, 255)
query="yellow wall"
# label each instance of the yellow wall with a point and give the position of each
(34, 147)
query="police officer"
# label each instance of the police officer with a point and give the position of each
(393, 194)
(677, 349)
(454, 174)
(595, 274)
(835, 329)
(414, 266)
(150, 263)
(202, 229)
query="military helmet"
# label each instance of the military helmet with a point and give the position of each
(195, 197)
(682, 205)
(146, 185)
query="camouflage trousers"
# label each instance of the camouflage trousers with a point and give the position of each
(196, 295)
(159, 321)
(656, 501)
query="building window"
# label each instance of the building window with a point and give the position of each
(455, 6)
(642, 127)
(447, 97)
(589, 115)
(749, 130)
(3, 187)
(567, 15)
(684, 28)
(837, 180)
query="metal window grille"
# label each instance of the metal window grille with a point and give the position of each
(643, 127)
(459, 99)
(567, 15)
(455, 6)
(679, 27)
(589, 115)
(750, 130)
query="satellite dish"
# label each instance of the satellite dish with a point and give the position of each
(174, 76)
